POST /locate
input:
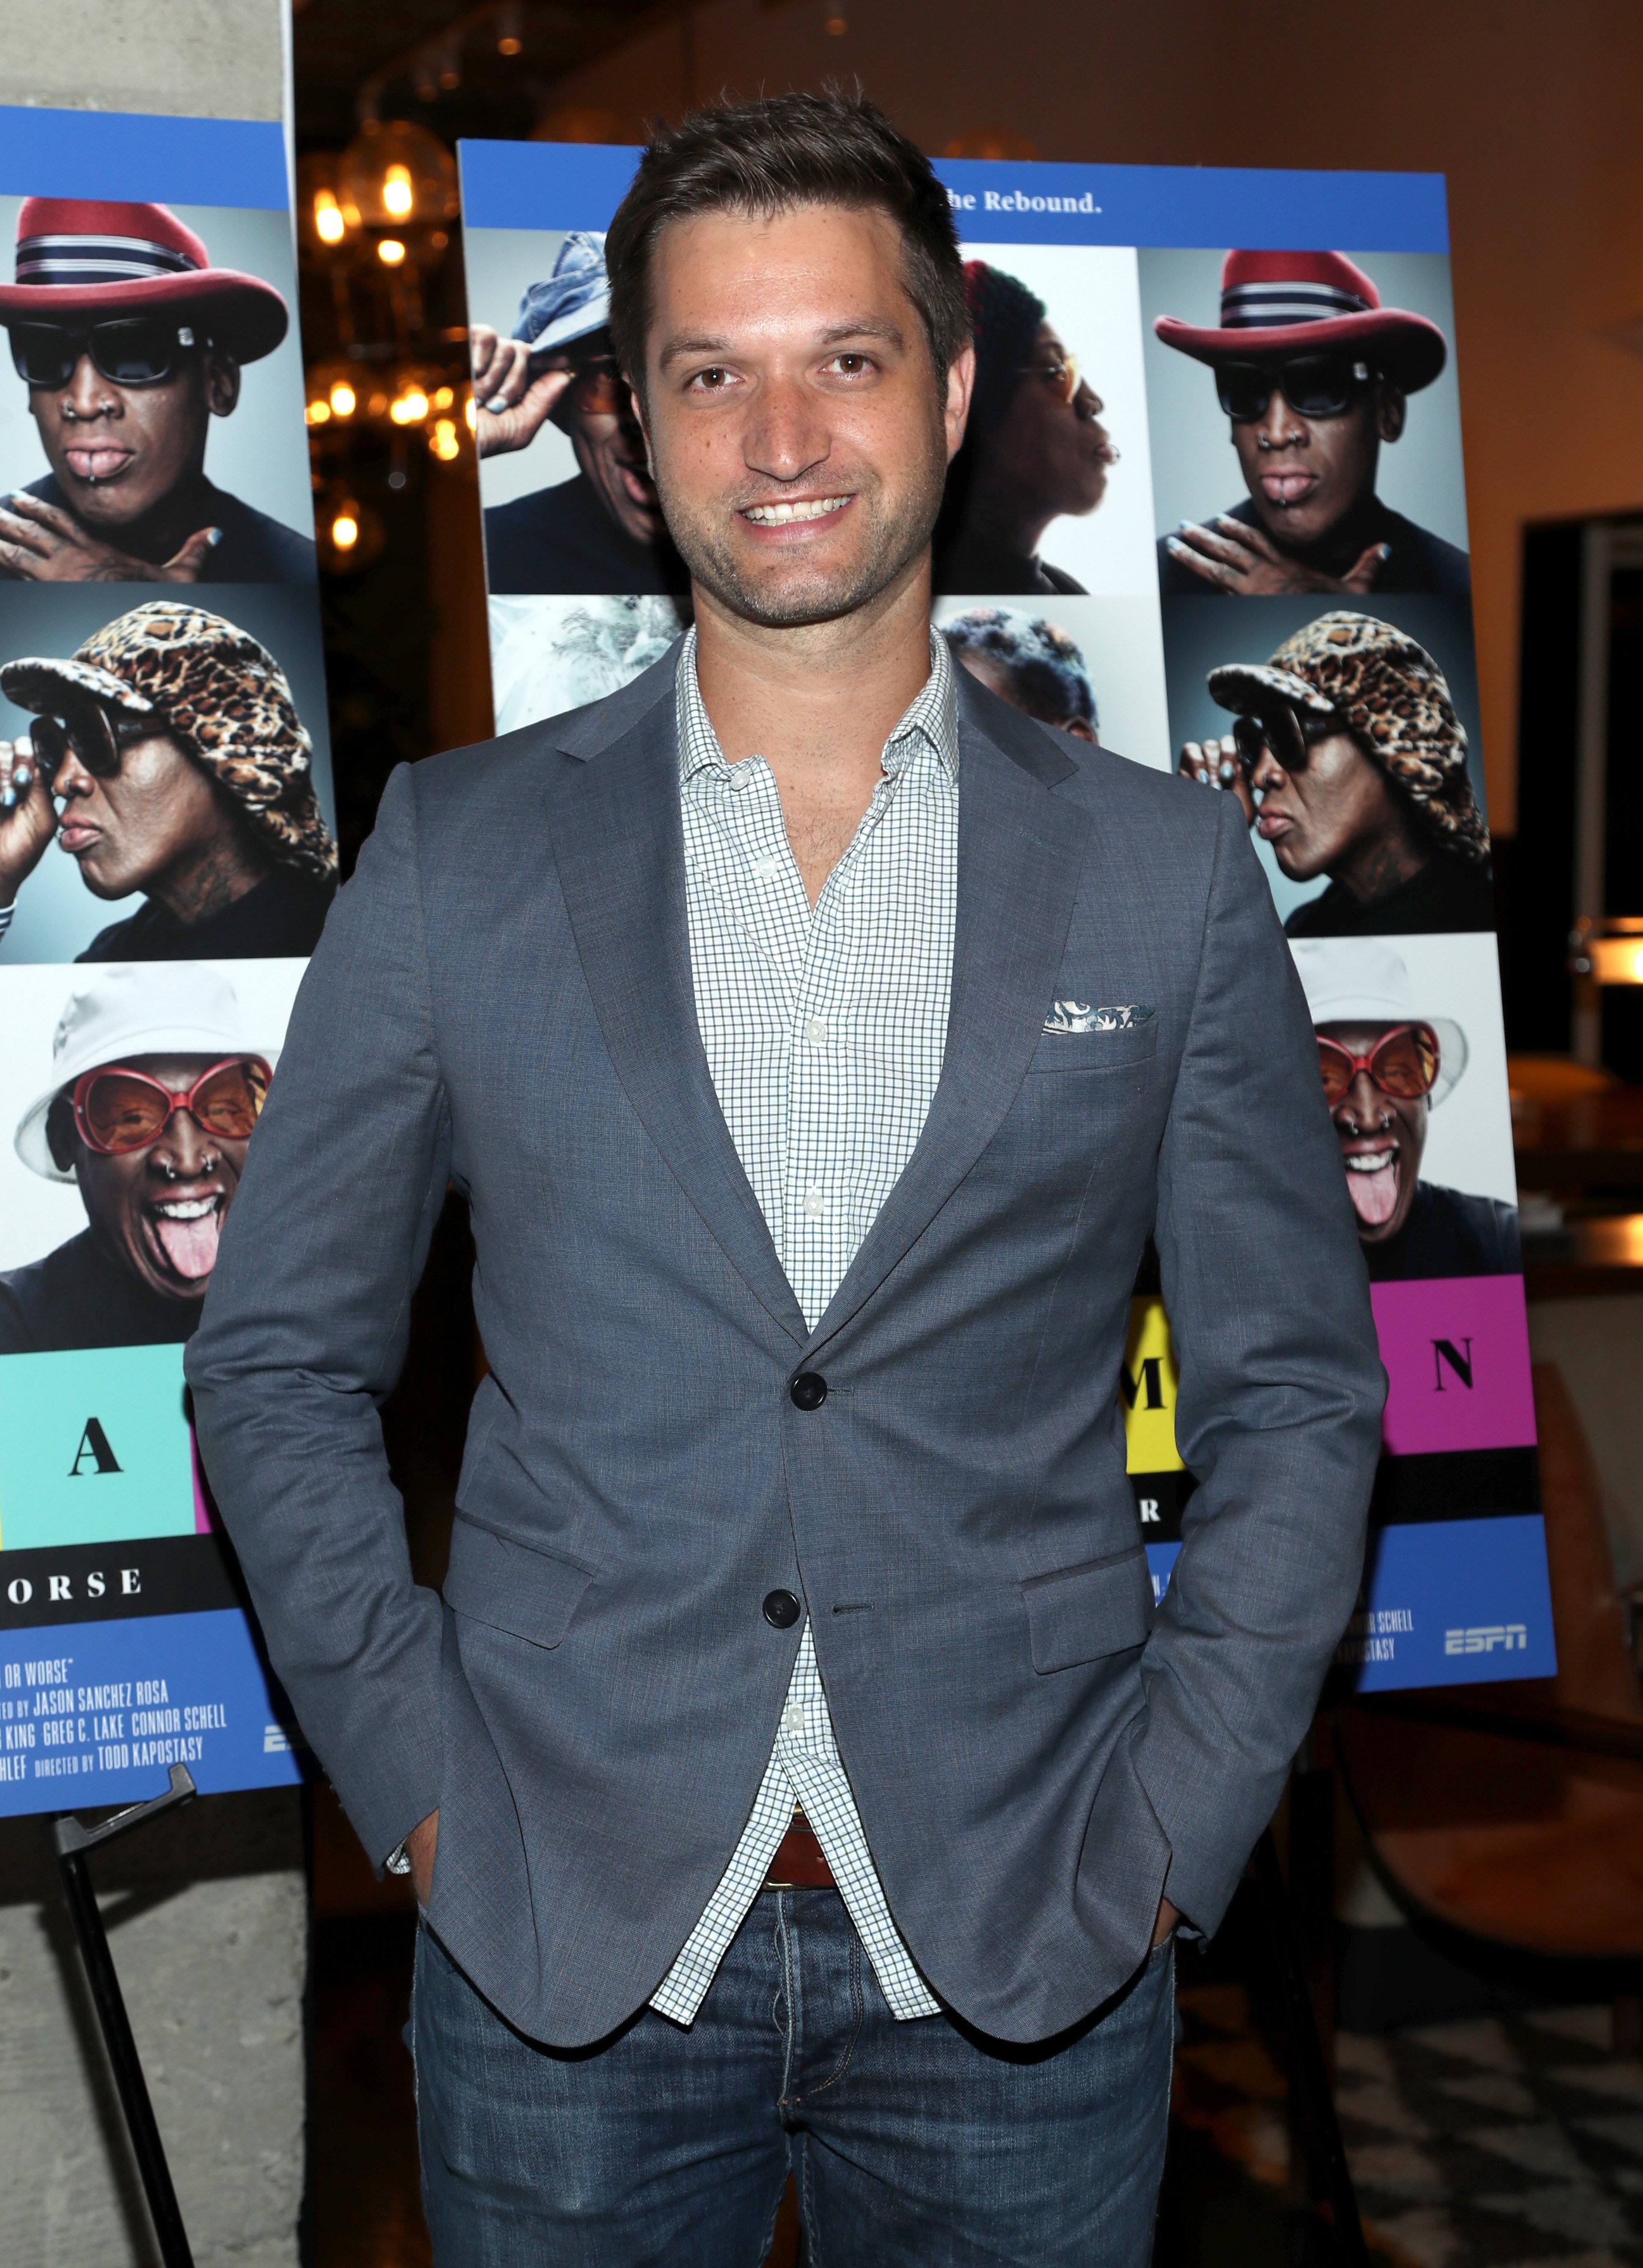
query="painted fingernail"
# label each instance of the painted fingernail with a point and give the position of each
(216, 535)
(497, 403)
(22, 777)
(8, 801)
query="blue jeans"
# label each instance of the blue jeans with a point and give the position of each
(919, 2145)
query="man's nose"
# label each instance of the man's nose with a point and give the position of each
(183, 1149)
(1086, 401)
(1267, 771)
(88, 393)
(71, 776)
(787, 432)
(1363, 1103)
(1280, 428)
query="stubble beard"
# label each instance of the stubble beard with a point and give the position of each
(789, 601)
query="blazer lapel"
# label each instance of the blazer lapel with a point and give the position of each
(1020, 853)
(618, 844)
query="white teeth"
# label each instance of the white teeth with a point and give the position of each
(1372, 1162)
(775, 515)
(187, 1208)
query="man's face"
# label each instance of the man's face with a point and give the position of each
(1053, 451)
(1382, 1140)
(596, 411)
(129, 829)
(119, 450)
(1316, 818)
(162, 1208)
(800, 437)
(1305, 475)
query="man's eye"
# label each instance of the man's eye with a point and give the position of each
(711, 381)
(850, 365)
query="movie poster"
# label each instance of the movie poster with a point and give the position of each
(1210, 512)
(167, 851)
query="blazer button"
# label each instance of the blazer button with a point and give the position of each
(782, 1610)
(808, 1390)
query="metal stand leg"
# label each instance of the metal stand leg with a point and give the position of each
(72, 1841)
(1314, 2100)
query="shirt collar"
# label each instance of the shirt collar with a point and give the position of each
(931, 718)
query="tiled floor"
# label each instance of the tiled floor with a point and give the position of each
(1492, 2142)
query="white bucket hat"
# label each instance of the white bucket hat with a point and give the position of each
(1356, 980)
(160, 1008)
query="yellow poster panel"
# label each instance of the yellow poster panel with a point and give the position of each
(1146, 1386)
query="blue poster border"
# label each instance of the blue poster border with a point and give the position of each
(132, 157)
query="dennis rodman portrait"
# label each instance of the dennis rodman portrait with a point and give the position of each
(168, 759)
(130, 343)
(155, 1086)
(1314, 375)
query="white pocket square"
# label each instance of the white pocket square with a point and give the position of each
(1069, 1016)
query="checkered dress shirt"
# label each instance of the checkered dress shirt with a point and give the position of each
(824, 1031)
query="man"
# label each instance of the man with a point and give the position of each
(1314, 376)
(744, 1006)
(1349, 738)
(130, 342)
(155, 1087)
(1032, 664)
(169, 759)
(1034, 452)
(1385, 1070)
(601, 531)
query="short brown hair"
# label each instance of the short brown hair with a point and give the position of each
(760, 159)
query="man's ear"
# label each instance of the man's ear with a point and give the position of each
(637, 401)
(60, 1135)
(221, 383)
(960, 385)
(1390, 409)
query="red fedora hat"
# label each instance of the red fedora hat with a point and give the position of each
(79, 256)
(1286, 303)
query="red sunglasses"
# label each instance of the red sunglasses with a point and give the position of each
(118, 1109)
(1402, 1064)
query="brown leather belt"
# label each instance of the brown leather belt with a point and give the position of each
(799, 1863)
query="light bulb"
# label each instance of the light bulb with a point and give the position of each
(344, 401)
(390, 252)
(344, 531)
(319, 413)
(398, 196)
(328, 217)
(443, 441)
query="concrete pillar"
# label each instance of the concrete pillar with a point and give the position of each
(207, 1909)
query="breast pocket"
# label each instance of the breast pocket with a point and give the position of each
(512, 1587)
(1078, 1614)
(1060, 1051)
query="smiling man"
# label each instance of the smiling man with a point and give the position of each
(796, 1772)
(155, 1088)
(169, 761)
(1349, 759)
(1385, 1070)
(130, 343)
(1315, 376)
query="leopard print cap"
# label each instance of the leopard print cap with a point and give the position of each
(221, 694)
(1391, 694)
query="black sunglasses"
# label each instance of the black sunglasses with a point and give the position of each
(1314, 385)
(97, 736)
(137, 350)
(1288, 735)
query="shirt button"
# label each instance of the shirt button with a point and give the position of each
(782, 1610)
(816, 1031)
(815, 1204)
(741, 774)
(809, 1391)
(793, 1717)
(767, 869)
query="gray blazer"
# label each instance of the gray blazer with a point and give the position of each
(501, 1000)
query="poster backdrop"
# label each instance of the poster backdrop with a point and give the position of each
(166, 855)
(1243, 555)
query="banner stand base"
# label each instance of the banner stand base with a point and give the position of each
(72, 1842)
